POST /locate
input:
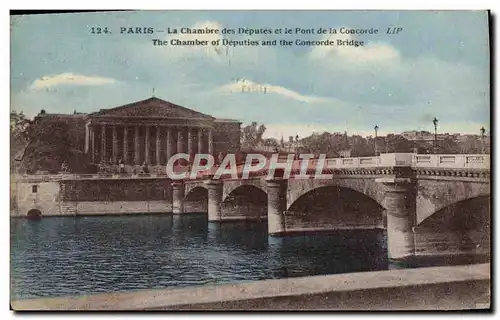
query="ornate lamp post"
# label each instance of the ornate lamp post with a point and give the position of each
(482, 139)
(375, 141)
(435, 122)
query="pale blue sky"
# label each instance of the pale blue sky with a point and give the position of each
(438, 66)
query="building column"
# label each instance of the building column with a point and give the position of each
(214, 200)
(103, 142)
(200, 140)
(125, 144)
(276, 205)
(137, 155)
(147, 148)
(170, 143)
(92, 143)
(177, 197)
(190, 143)
(115, 144)
(210, 142)
(180, 141)
(87, 138)
(158, 146)
(400, 204)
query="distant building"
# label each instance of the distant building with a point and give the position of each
(418, 135)
(292, 145)
(149, 131)
(423, 136)
(345, 153)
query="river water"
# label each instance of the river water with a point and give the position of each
(81, 255)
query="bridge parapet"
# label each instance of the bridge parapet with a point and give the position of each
(384, 160)
(424, 164)
(87, 176)
(452, 161)
(362, 162)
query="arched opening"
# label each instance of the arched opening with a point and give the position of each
(463, 227)
(344, 221)
(34, 214)
(246, 202)
(196, 201)
(333, 207)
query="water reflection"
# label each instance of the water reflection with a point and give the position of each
(72, 256)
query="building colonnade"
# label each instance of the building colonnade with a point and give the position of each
(137, 144)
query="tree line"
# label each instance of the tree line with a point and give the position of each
(46, 145)
(334, 144)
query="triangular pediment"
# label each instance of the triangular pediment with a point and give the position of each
(152, 107)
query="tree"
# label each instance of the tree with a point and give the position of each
(325, 143)
(51, 143)
(397, 143)
(361, 147)
(271, 142)
(19, 138)
(48, 148)
(251, 135)
(471, 145)
(448, 146)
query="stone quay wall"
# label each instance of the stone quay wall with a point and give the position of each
(436, 288)
(92, 197)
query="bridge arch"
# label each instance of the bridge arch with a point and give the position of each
(34, 214)
(368, 187)
(460, 227)
(433, 196)
(196, 200)
(246, 202)
(230, 186)
(334, 207)
(467, 214)
(196, 191)
(188, 187)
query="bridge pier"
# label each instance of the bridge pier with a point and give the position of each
(400, 204)
(276, 206)
(177, 197)
(214, 200)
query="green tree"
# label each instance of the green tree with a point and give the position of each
(361, 147)
(325, 143)
(271, 142)
(397, 143)
(19, 138)
(448, 146)
(251, 135)
(48, 148)
(471, 145)
(50, 144)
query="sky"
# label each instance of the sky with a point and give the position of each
(438, 66)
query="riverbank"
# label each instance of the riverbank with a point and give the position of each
(441, 288)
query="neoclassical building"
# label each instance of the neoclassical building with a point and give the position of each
(151, 131)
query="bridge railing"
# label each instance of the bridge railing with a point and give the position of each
(384, 160)
(445, 161)
(362, 162)
(88, 176)
(452, 161)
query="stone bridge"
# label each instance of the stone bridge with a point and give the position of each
(426, 203)
(414, 197)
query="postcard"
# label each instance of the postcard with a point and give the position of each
(250, 160)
